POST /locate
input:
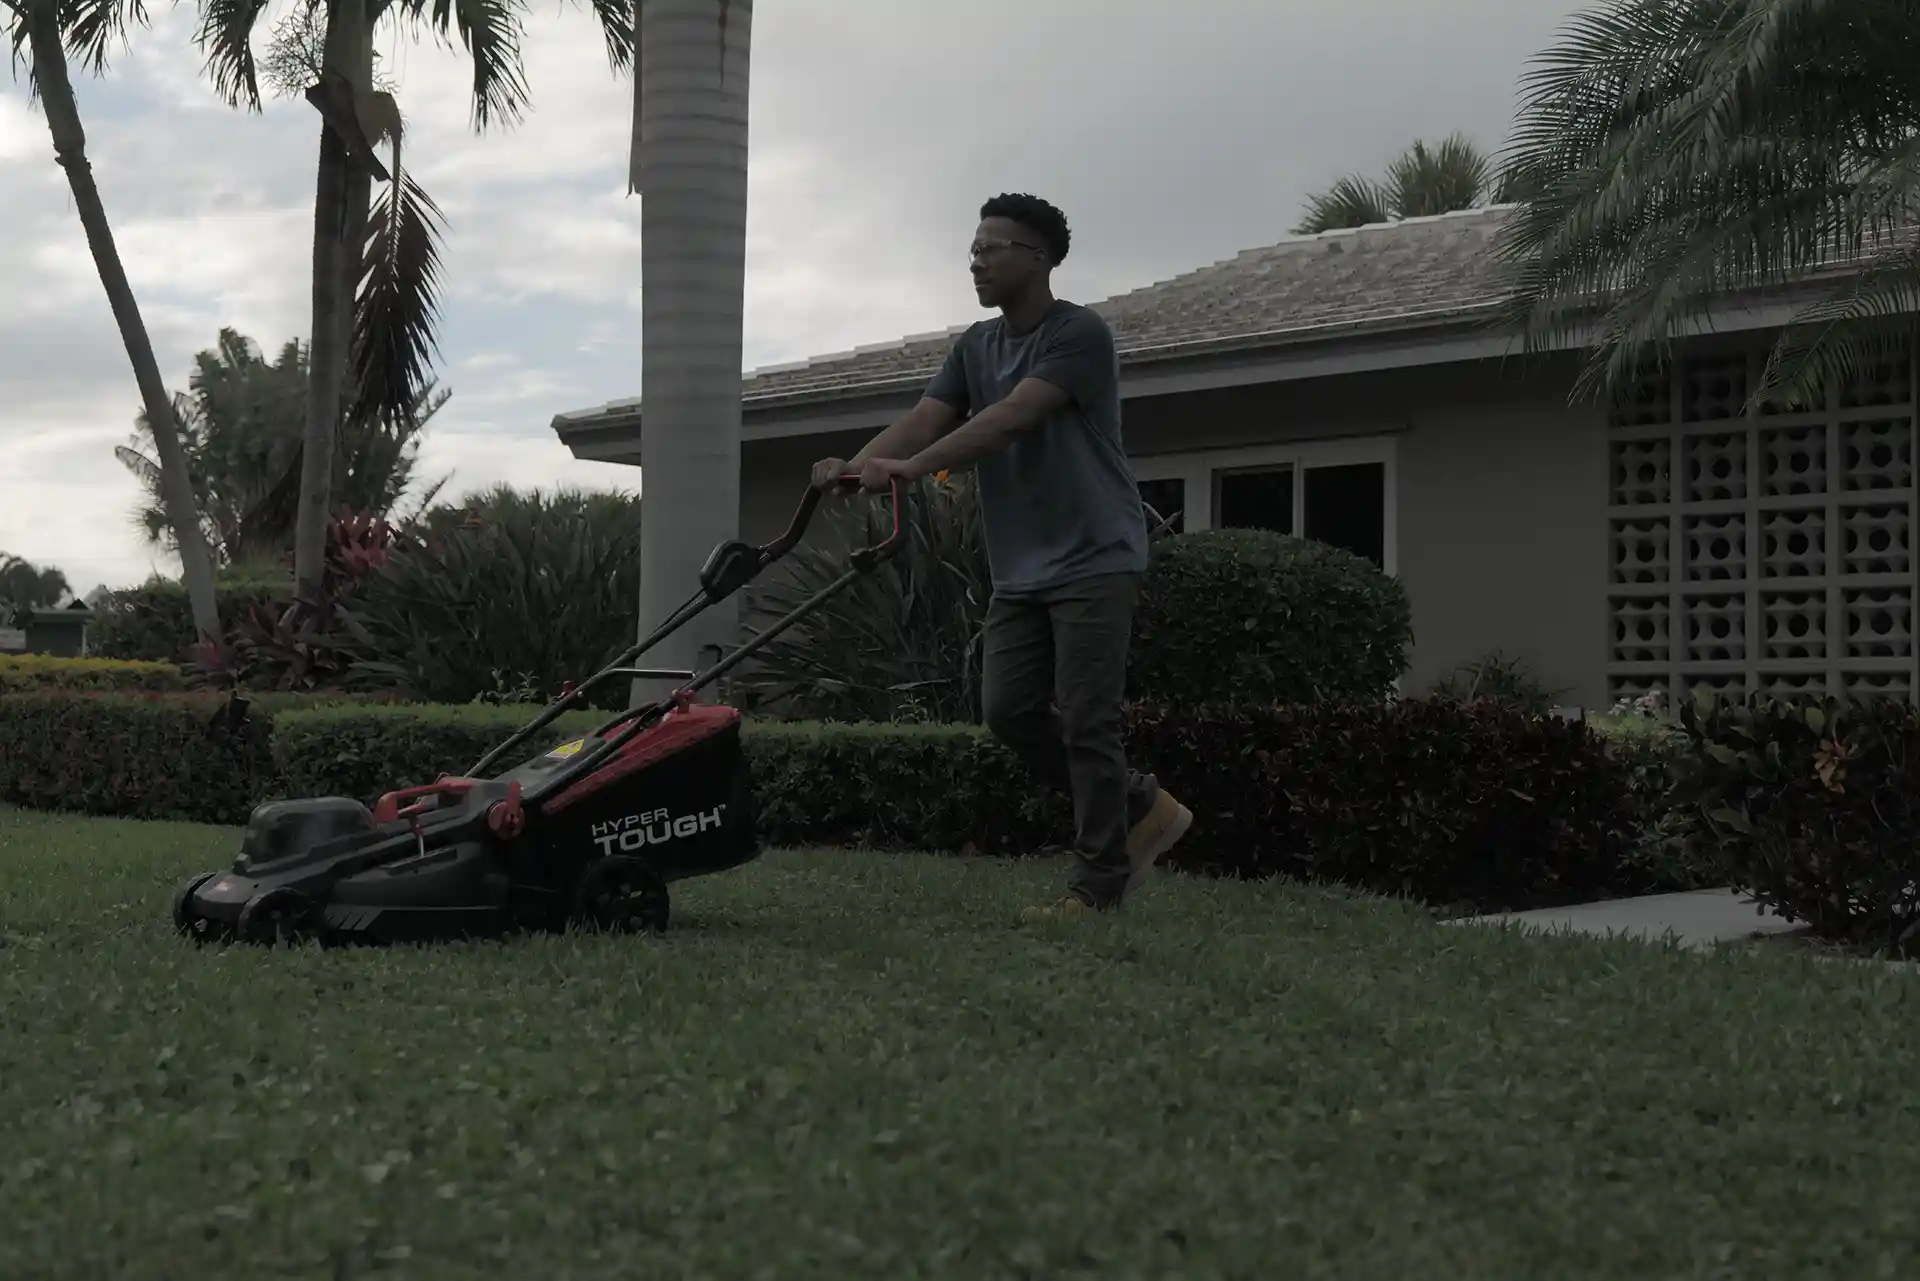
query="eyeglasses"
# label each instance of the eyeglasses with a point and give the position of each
(981, 248)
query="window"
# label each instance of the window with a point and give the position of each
(1346, 506)
(1259, 498)
(1340, 492)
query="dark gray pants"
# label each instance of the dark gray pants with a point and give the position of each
(1053, 680)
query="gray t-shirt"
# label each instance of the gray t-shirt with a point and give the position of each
(1059, 504)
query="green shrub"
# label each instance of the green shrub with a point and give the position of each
(1449, 802)
(1816, 806)
(22, 673)
(154, 622)
(1672, 849)
(513, 590)
(1508, 681)
(151, 756)
(1253, 617)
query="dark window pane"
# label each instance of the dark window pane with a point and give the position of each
(1255, 500)
(1347, 507)
(1167, 498)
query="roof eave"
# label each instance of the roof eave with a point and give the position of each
(1434, 325)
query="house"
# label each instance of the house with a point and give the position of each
(58, 631)
(1351, 387)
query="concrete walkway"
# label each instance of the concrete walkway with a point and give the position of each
(1698, 918)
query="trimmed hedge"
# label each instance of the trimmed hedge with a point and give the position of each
(152, 756)
(21, 673)
(1468, 803)
(1816, 805)
(1446, 802)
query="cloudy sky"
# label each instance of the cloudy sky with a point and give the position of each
(1173, 135)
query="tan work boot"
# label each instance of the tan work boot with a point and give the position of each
(1165, 823)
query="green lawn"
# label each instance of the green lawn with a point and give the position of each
(852, 1066)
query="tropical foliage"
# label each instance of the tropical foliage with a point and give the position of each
(241, 427)
(25, 585)
(1419, 182)
(538, 588)
(901, 643)
(1684, 149)
(375, 265)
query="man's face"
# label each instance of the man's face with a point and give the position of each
(1005, 257)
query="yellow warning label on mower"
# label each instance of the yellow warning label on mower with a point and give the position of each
(567, 749)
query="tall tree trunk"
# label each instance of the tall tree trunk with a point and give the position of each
(70, 148)
(346, 63)
(690, 169)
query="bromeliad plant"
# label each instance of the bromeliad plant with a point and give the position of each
(313, 642)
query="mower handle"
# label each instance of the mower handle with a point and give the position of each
(810, 503)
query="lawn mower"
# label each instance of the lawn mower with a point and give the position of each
(590, 833)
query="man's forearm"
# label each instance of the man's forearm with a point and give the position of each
(901, 439)
(989, 431)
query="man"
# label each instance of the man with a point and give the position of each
(1031, 400)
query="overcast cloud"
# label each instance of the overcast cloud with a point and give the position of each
(1172, 134)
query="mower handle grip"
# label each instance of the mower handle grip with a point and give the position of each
(810, 503)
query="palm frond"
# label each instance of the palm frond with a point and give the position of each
(616, 23)
(1353, 201)
(1679, 152)
(89, 26)
(491, 31)
(1424, 181)
(226, 36)
(144, 469)
(396, 311)
(1869, 320)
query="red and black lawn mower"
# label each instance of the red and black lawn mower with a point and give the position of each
(590, 833)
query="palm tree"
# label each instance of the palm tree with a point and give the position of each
(25, 585)
(46, 28)
(241, 424)
(689, 166)
(1420, 182)
(1685, 149)
(372, 350)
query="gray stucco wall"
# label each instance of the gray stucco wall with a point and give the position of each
(1502, 490)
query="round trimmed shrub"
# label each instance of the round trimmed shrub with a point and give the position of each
(1238, 615)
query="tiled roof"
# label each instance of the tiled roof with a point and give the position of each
(1369, 279)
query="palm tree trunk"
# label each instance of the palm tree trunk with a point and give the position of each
(348, 60)
(70, 149)
(690, 168)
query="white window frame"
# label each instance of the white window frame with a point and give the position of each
(1198, 468)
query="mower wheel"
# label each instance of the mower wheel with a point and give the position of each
(185, 919)
(280, 915)
(621, 895)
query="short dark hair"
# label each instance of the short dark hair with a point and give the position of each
(1031, 211)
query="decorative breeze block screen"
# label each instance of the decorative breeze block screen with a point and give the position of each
(1767, 553)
